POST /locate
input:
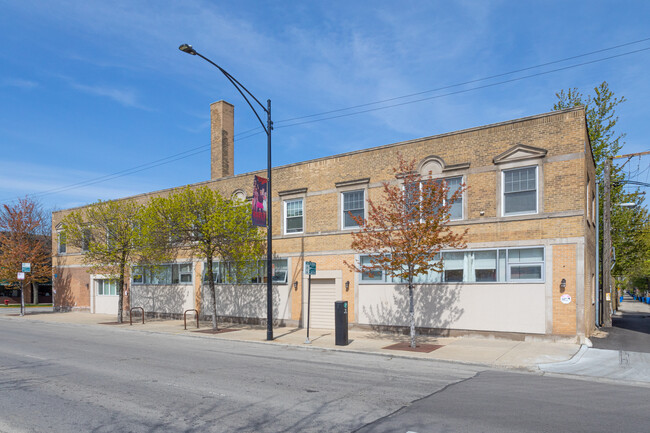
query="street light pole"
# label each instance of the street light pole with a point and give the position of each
(267, 128)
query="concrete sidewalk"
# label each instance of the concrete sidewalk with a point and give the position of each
(475, 350)
(614, 355)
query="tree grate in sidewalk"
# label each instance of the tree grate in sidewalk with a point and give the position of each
(423, 348)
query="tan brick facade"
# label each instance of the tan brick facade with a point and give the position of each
(564, 268)
(556, 144)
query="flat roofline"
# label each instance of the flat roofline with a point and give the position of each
(353, 152)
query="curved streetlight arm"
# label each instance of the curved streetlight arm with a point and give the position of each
(239, 86)
(269, 217)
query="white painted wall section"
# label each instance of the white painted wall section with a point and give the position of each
(498, 307)
(172, 299)
(248, 301)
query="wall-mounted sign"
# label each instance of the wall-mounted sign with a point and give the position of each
(565, 299)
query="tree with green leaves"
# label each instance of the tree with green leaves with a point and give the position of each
(112, 237)
(606, 143)
(25, 237)
(204, 224)
(406, 230)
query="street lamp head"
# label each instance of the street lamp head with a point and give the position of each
(628, 205)
(186, 48)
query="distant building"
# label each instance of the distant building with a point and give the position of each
(529, 266)
(35, 293)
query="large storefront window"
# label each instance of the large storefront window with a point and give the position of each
(248, 272)
(502, 265)
(176, 273)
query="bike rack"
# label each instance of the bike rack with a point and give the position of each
(131, 314)
(185, 317)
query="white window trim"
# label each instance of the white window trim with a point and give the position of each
(462, 198)
(191, 273)
(350, 186)
(58, 242)
(542, 263)
(503, 191)
(284, 217)
(342, 213)
(444, 178)
(508, 280)
(96, 284)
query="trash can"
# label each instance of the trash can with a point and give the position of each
(341, 322)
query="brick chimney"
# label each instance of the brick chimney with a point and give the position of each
(222, 116)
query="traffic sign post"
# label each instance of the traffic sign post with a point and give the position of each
(310, 269)
(25, 268)
(21, 277)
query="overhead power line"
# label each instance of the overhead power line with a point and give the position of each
(451, 86)
(247, 134)
(457, 92)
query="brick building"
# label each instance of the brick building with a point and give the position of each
(528, 268)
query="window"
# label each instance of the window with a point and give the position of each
(247, 272)
(485, 266)
(176, 273)
(520, 191)
(525, 264)
(106, 287)
(412, 200)
(456, 209)
(453, 185)
(137, 275)
(588, 200)
(502, 265)
(594, 215)
(85, 240)
(353, 205)
(375, 275)
(293, 216)
(454, 266)
(62, 243)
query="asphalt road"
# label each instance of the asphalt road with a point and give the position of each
(66, 378)
(630, 332)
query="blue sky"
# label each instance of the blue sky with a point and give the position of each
(92, 88)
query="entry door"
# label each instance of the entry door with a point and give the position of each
(323, 296)
(106, 296)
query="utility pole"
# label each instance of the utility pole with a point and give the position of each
(611, 304)
(607, 245)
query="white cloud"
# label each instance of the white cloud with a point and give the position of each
(54, 186)
(126, 97)
(19, 82)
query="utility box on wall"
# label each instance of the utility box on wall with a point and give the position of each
(341, 322)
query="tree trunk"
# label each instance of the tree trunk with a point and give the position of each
(412, 314)
(120, 296)
(213, 293)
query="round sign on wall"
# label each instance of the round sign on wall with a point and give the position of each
(566, 298)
